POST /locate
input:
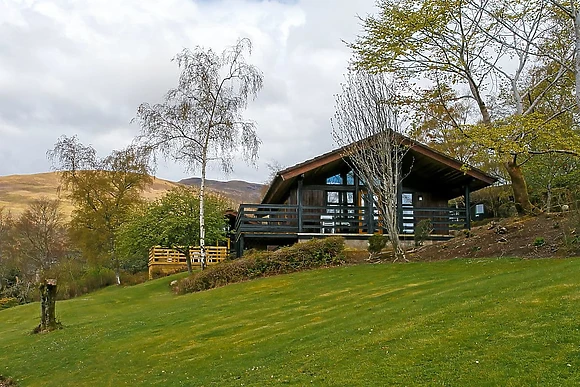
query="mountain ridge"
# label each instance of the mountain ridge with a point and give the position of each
(18, 191)
(239, 191)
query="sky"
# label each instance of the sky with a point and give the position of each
(82, 68)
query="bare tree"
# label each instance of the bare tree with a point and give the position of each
(366, 125)
(42, 235)
(6, 245)
(200, 120)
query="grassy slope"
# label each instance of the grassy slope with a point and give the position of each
(18, 191)
(463, 322)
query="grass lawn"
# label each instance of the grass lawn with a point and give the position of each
(487, 322)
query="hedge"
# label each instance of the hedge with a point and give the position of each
(312, 254)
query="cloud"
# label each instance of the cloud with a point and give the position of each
(83, 68)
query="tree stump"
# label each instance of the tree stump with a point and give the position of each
(47, 306)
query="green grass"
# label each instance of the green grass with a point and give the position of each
(489, 322)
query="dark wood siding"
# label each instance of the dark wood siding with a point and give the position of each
(309, 197)
(438, 218)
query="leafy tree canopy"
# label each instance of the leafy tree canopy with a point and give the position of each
(173, 222)
(103, 190)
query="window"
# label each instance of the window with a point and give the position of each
(334, 180)
(350, 178)
(332, 197)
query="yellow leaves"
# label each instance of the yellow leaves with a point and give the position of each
(529, 134)
(402, 30)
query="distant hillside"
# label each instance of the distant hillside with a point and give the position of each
(237, 190)
(18, 191)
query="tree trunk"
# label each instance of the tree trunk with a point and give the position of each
(398, 250)
(389, 209)
(549, 198)
(187, 253)
(519, 187)
(202, 215)
(485, 116)
(576, 20)
(47, 306)
(393, 230)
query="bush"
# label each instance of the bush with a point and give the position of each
(83, 281)
(507, 210)
(301, 256)
(422, 231)
(135, 264)
(130, 278)
(22, 291)
(8, 302)
(377, 243)
(156, 273)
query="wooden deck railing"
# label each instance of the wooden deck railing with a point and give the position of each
(279, 219)
(171, 260)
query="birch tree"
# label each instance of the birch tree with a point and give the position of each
(200, 121)
(366, 125)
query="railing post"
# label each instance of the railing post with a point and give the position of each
(299, 194)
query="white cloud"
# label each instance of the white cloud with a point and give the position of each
(70, 67)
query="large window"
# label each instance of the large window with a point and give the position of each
(339, 180)
(334, 180)
(350, 178)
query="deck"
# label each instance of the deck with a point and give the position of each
(279, 222)
(166, 261)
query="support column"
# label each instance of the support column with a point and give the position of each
(467, 207)
(400, 207)
(371, 210)
(299, 194)
(241, 246)
(356, 202)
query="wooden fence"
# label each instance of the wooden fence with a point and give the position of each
(168, 261)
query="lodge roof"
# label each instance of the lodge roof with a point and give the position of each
(431, 170)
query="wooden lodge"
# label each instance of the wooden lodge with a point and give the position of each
(323, 196)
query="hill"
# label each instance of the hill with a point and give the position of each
(481, 322)
(18, 191)
(237, 190)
